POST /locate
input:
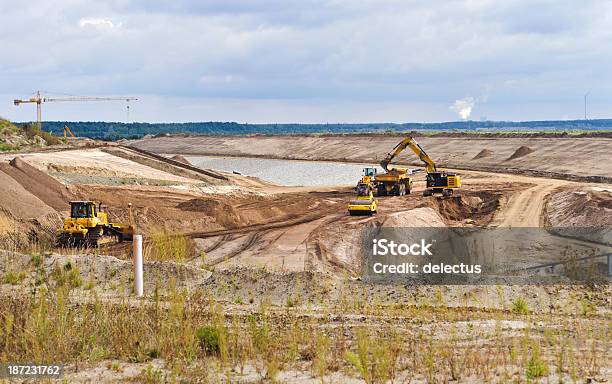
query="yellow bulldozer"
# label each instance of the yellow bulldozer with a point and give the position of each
(88, 225)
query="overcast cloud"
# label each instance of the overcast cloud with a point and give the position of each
(309, 61)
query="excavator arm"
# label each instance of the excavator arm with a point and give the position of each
(416, 148)
(67, 130)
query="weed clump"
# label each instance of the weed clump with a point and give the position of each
(520, 306)
(536, 367)
(13, 278)
(208, 337)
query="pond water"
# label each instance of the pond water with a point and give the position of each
(286, 172)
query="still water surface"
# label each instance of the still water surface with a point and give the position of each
(286, 172)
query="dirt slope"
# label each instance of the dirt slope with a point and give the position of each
(50, 191)
(580, 207)
(20, 202)
(89, 165)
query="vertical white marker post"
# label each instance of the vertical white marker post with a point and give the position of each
(138, 270)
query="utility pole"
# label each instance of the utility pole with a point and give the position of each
(585, 104)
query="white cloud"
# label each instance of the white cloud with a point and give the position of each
(463, 107)
(97, 23)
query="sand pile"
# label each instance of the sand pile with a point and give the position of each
(181, 159)
(585, 213)
(337, 248)
(50, 191)
(520, 152)
(18, 201)
(223, 213)
(418, 217)
(582, 208)
(484, 153)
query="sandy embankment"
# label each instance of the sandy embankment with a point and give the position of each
(581, 159)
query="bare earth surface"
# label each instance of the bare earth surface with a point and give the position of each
(283, 263)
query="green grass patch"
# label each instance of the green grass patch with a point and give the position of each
(168, 245)
(13, 278)
(5, 147)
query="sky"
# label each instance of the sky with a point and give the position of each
(308, 61)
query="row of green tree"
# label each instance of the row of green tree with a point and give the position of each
(117, 130)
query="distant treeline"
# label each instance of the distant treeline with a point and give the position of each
(114, 131)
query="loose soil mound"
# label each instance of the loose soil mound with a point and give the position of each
(484, 153)
(522, 151)
(224, 213)
(477, 208)
(181, 158)
(586, 213)
(50, 191)
(583, 208)
(18, 201)
(418, 217)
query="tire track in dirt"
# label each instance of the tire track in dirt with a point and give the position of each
(218, 243)
(266, 226)
(251, 241)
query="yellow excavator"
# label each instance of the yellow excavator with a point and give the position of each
(88, 225)
(437, 181)
(365, 203)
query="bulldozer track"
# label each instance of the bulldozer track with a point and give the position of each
(218, 243)
(251, 241)
(267, 226)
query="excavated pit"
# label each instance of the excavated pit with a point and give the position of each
(474, 207)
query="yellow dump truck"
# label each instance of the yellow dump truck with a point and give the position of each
(396, 181)
(365, 203)
(88, 225)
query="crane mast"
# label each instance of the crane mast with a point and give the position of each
(39, 100)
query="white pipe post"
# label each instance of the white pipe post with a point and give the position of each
(138, 270)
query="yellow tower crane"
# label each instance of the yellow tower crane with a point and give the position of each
(38, 99)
